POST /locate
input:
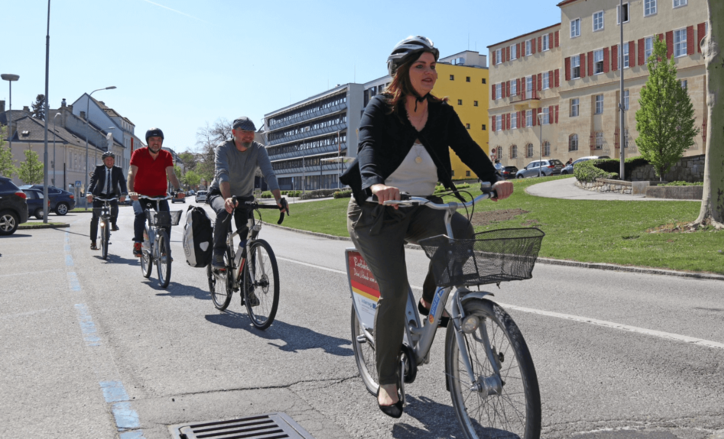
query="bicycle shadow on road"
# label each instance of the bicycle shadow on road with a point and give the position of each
(175, 289)
(297, 338)
(115, 259)
(439, 420)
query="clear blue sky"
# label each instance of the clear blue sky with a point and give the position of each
(179, 64)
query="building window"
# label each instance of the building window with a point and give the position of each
(625, 100)
(527, 48)
(484, 82)
(576, 28)
(546, 149)
(514, 152)
(475, 103)
(467, 125)
(649, 7)
(529, 150)
(574, 107)
(546, 42)
(467, 79)
(679, 43)
(598, 61)
(546, 81)
(460, 101)
(625, 56)
(467, 173)
(649, 47)
(599, 140)
(498, 123)
(528, 83)
(529, 118)
(452, 77)
(597, 21)
(684, 84)
(513, 52)
(514, 121)
(498, 59)
(625, 14)
(498, 91)
(599, 104)
(546, 116)
(576, 67)
(513, 88)
(573, 142)
(483, 127)
(680, 3)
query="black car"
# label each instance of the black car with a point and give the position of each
(61, 201)
(36, 202)
(13, 207)
(508, 172)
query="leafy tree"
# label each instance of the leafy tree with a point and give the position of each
(191, 178)
(7, 167)
(665, 121)
(31, 170)
(712, 201)
(189, 159)
(208, 138)
(39, 107)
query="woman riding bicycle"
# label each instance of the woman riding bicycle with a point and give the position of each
(404, 140)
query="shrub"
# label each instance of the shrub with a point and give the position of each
(611, 167)
(589, 171)
(267, 194)
(343, 194)
(682, 183)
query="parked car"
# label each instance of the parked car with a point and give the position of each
(190, 192)
(568, 169)
(201, 196)
(61, 201)
(508, 172)
(36, 202)
(13, 207)
(540, 167)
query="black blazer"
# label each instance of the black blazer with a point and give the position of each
(385, 140)
(98, 181)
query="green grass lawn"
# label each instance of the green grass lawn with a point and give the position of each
(580, 230)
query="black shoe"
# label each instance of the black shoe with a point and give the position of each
(218, 263)
(444, 320)
(114, 228)
(395, 410)
(93, 246)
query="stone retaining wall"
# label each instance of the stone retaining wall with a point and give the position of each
(605, 185)
(689, 169)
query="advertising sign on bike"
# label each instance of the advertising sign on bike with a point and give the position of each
(365, 291)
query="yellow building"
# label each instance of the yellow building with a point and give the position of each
(463, 79)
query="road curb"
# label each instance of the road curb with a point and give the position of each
(549, 261)
(43, 226)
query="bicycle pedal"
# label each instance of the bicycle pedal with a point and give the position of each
(361, 339)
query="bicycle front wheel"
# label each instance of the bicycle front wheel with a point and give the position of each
(508, 407)
(221, 284)
(164, 258)
(261, 284)
(364, 354)
(146, 256)
(105, 237)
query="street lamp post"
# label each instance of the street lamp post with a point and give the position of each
(55, 134)
(47, 109)
(10, 78)
(622, 107)
(540, 155)
(87, 122)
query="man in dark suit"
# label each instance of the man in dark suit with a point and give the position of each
(107, 182)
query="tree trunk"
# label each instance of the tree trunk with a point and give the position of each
(712, 202)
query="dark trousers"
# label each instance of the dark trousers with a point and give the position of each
(379, 233)
(97, 205)
(139, 223)
(222, 226)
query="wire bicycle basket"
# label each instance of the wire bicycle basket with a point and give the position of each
(489, 257)
(163, 218)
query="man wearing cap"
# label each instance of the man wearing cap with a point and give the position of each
(236, 163)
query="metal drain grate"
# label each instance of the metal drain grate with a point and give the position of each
(267, 426)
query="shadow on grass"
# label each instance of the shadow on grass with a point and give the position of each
(295, 338)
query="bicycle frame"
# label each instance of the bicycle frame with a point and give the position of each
(153, 229)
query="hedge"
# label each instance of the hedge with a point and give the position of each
(590, 170)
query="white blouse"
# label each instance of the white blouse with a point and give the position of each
(417, 174)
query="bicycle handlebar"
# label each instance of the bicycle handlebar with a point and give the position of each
(104, 199)
(407, 200)
(162, 197)
(256, 205)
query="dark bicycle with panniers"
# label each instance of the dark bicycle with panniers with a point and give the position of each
(251, 267)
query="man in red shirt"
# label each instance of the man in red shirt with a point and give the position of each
(150, 167)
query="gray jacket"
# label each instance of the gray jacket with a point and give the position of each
(238, 168)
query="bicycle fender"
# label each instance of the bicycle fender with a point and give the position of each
(475, 295)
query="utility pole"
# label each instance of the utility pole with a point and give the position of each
(621, 105)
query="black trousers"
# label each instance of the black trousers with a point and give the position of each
(222, 226)
(97, 205)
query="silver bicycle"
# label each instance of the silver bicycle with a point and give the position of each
(104, 221)
(489, 371)
(157, 239)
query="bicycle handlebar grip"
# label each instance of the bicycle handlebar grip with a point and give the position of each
(285, 205)
(404, 196)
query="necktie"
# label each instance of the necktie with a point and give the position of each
(108, 181)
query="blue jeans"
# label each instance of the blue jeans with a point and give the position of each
(139, 223)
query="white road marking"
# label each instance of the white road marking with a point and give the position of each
(578, 319)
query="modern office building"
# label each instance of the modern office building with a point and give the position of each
(568, 76)
(462, 79)
(301, 136)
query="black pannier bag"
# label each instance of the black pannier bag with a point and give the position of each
(198, 237)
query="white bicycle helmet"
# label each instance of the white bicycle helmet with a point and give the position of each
(406, 49)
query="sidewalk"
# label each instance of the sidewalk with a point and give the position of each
(566, 189)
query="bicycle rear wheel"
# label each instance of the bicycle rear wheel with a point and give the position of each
(261, 284)
(512, 409)
(164, 258)
(364, 354)
(105, 237)
(146, 256)
(221, 284)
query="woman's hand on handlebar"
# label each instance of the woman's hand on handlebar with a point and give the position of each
(384, 193)
(504, 189)
(230, 204)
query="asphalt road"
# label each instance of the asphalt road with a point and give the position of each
(91, 349)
